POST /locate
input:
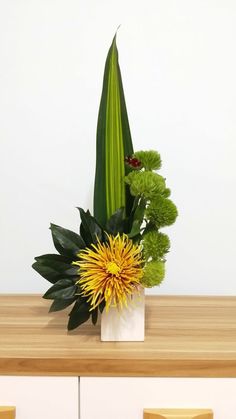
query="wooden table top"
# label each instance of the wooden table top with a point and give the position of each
(185, 337)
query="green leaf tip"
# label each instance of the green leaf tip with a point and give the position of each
(114, 143)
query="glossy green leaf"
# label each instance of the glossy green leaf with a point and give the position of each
(54, 257)
(138, 218)
(102, 306)
(115, 224)
(89, 228)
(62, 289)
(113, 144)
(79, 314)
(94, 315)
(53, 267)
(58, 305)
(67, 242)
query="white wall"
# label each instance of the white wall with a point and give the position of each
(178, 65)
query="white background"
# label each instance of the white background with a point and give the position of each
(178, 65)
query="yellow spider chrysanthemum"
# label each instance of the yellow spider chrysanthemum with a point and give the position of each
(110, 271)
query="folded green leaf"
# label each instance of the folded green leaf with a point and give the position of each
(62, 289)
(115, 224)
(58, 305)
(102, 306)
(46, 272)
(54, 257)
(89, 228)
(138, 218)
(94, 314)
(79, 314)
(130, 219)
(53, 267)
(113, 144)
(67, 242)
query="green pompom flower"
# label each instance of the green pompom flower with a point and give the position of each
(148, 184)
(155, 245)
(150, 160)
(161, 212)
(166, 193)
(154, 273)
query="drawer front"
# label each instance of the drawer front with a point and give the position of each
(126, 398)
(41, 397)
(7, 412)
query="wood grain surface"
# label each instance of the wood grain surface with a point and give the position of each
(185, 337)
(7, 412)
(177, 414)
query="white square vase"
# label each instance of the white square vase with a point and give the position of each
(126, 325)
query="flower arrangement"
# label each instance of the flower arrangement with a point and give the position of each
(120, 249)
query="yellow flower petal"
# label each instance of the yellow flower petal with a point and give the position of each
(110, 271)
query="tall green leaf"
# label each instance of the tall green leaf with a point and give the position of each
(114, 143)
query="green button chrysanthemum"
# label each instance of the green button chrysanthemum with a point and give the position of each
(161, 212)
(154, 273)
(150, 160)
(146, 183)
(155, 245)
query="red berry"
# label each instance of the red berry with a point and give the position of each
(132, 161)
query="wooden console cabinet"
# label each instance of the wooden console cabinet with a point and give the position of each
(188, 361)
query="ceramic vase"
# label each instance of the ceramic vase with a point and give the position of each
(126, 325)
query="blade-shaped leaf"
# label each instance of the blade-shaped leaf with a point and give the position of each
(113, 144)
(67, 242)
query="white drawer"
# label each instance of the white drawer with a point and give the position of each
(125, 398)
(41, 397)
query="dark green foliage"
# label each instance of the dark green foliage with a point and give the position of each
(137, 219)
(62, 289)
(79, 314)
(61, 304)
(90, 230)
(60, 271)
(53, 257)
(94, 315)
(102, 306)
(115, 224)
(54, 267)
(66, 241)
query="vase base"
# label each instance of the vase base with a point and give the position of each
(126, 325)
